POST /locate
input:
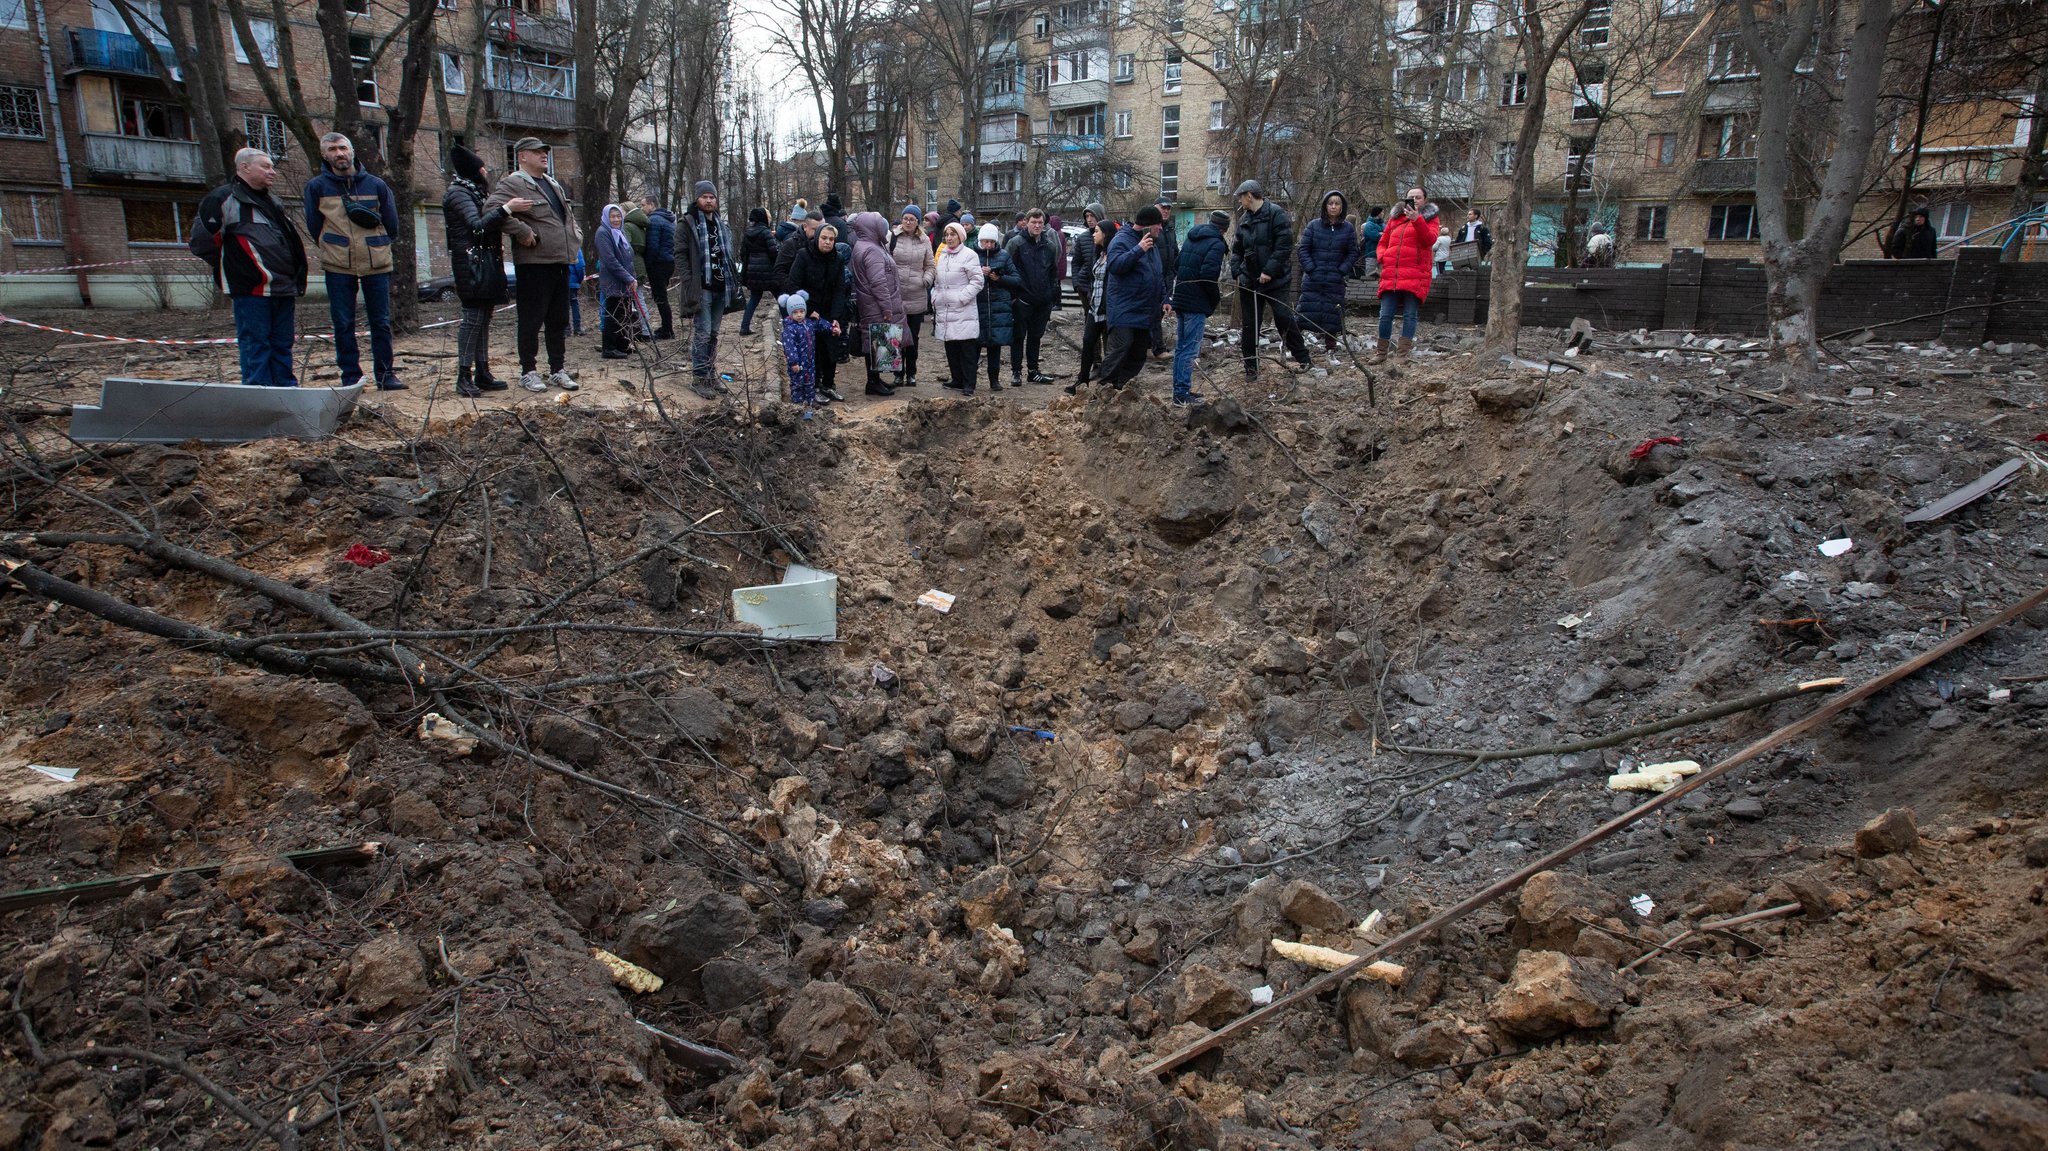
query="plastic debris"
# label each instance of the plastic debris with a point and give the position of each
(626, 973)
(364, 556)
(1642, 904)
(938, 601)
(1658, 777)
(1833, 548)
(437, 728)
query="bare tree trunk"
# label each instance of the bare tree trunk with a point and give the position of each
(1794, 270)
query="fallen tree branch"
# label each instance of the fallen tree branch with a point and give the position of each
(1475, 901)
(1690, 718)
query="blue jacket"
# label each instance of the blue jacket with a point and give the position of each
(661, 237)
(1326, 257)
(1195, 291)
(998, 324)
(1136, 285)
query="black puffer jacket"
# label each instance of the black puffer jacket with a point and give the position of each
(470, 226)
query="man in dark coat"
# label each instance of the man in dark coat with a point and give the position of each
(1037, 259)
(244, 234)
(1135, 294)
(1915, 239)
(1195, 296)
(1261, 258)
(1169, 267)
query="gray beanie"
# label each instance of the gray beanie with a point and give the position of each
(705, 188)
(1251, 187)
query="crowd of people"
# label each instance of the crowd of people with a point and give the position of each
(841, 284)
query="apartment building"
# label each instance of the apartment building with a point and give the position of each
(1649, 130)
(99, 163)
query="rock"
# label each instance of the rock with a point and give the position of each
(1506, 397)
(1891, 833)
(1553, 905)
(971, 737)
(1307, 905)
(685, 926)
(1434, 1044)
(1202, 995)
(1549, 993)
(386, 972)
(1990, 1121)
(825, 1026)
(991, 899)
(966, 540)
(1281, 654)
(565, 739)
(1747, 807)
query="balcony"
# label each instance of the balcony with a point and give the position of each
(1011, 152)
(1071, 142)
(1733, 175)
(1077, 94)
(529, 109)
(141, 158)
(1011, 101)
(95, 51)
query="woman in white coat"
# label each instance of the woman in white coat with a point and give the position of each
(956, 288)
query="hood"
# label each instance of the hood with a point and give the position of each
(1322, 215)
(869, 227)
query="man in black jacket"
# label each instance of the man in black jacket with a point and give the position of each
(259, 261)
(1038, 265)
(1261, 260)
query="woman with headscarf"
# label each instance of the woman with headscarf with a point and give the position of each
(615, 282)
(476, 247)
(915, 268)
(956, 296)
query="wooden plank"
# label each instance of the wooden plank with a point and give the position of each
(1989, 482)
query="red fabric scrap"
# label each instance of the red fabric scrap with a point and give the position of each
(366, 557)
(1643, 449)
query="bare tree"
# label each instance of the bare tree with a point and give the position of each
(1794, 269)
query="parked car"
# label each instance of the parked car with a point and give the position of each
(442, 288)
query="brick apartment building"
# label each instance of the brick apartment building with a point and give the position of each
(72, 74)
(1649, 126)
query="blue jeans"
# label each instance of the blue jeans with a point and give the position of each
(341, 305)
(704, 338)
(1184, 351)
(1409, 307)
(263, 335)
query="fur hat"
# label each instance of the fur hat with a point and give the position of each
(989, 234)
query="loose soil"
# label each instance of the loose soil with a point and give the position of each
(953, 879)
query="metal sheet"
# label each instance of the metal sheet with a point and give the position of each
(174, 411)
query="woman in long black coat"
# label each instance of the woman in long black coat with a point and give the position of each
(1329, 246)
(471, 229)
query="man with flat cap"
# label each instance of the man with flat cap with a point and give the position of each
(545, 240)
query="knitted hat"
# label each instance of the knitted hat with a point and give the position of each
(1219, 220)
(705, 188)
(467, 164)
(911, 210)
(989, 234)
(1148, 216)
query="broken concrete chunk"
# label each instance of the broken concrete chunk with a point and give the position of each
(1893, 832)
(1549, 993)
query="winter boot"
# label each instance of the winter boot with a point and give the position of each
(1379, 353)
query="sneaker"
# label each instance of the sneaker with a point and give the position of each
(880, 389)
(562, 381)
(533, 382)
(1040, 378)
(832, 394)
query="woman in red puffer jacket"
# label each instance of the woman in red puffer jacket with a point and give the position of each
(1406, 249)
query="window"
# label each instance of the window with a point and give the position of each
(1660, 149)
(264, 32)
(1219, 115)
(1671, 8)
(366, 72)
(1578, 163)
(1123, 125)
(156, 221)
(1732, 222)
(13, 13)
(1169, 178)
(1599, 18)
(267, 132)
(1514, 89)
(1041, 26)
(452, 79)
(1504, 158)
(1219, 172)
(1126, 67)
(1731, 136)
(1650, 221)
(1169, 128)
(21, 112)
(1728, 58)
(1951, 221)
(29, 218)
(1589, 91)
(931, 150)
(1173, 62)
